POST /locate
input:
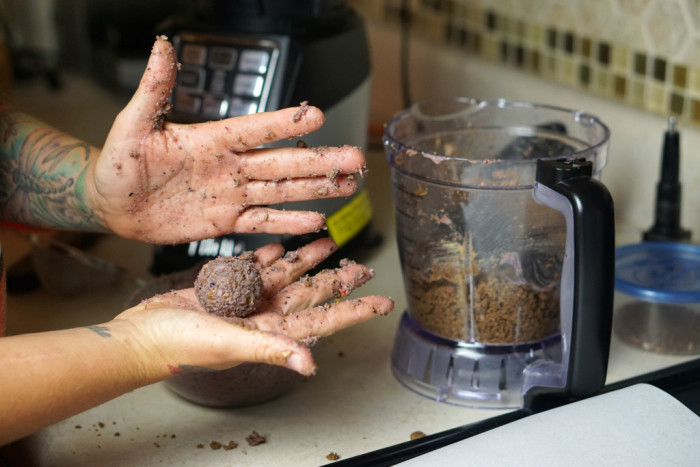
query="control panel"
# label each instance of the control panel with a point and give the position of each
(223, 76)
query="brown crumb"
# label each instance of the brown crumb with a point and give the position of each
(303, 107)
(333, 173)
(102, 425)
(417, 434)
(255, 439)
(200, 446)
(332, 456)
(247, 255)
(291, 256)
(306, 281)
(215, 445)
(231, 445)
(77, 427)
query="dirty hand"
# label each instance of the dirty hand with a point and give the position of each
(162, 182)
(182, 335)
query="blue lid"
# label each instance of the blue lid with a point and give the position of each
(659, 271)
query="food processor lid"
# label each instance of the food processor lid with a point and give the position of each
(665, 272)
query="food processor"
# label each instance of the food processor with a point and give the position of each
(506, 241)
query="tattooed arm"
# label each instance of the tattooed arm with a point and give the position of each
(43, 175)
(162, 182)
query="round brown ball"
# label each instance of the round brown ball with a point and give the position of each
(229, 286)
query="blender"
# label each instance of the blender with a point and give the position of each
(506, 241)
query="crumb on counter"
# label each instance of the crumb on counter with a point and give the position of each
(255, 439)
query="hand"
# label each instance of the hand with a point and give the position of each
(162, 182)
(181, 334)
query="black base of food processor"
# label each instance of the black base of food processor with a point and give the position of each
(463, 373)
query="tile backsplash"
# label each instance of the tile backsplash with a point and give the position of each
(645, 53)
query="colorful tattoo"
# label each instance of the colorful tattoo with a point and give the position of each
(102, 331)
(42, 175)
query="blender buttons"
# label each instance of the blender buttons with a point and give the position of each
(224, 78)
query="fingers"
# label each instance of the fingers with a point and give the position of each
(212, 342)
(273, 221)
(324, 320)
(271, 164)
(266, 255)
(249, 345)
(287, 269)
(246, 132)
(150, 101)
(271, 192)
(310, 291)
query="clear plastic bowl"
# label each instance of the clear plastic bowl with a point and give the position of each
(657, 300)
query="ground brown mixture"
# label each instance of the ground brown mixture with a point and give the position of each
(231, 445)
(499, 311)
(229, 286)
(255, 438)
(303, 107)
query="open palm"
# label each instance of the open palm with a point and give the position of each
(294, 312)
(163, 182)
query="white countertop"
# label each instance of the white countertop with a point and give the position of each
(353, 405)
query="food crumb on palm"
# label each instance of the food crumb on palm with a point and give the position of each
(303, 107)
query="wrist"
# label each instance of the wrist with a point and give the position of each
(144, 362)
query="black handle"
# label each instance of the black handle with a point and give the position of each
(590, 258)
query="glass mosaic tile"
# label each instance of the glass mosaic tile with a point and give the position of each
(638, 51)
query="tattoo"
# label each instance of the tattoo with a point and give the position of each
(9, 127)
(102, 331)
(42, 175)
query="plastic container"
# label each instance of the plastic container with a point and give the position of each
(657, 299)
(482, 256)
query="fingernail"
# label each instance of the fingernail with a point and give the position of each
(295, 362)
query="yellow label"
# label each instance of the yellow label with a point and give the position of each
(347, 221)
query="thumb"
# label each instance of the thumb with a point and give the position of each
(150, 102)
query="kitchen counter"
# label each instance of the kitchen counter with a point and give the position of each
(353, 405)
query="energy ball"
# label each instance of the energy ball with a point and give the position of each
(229, 286)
